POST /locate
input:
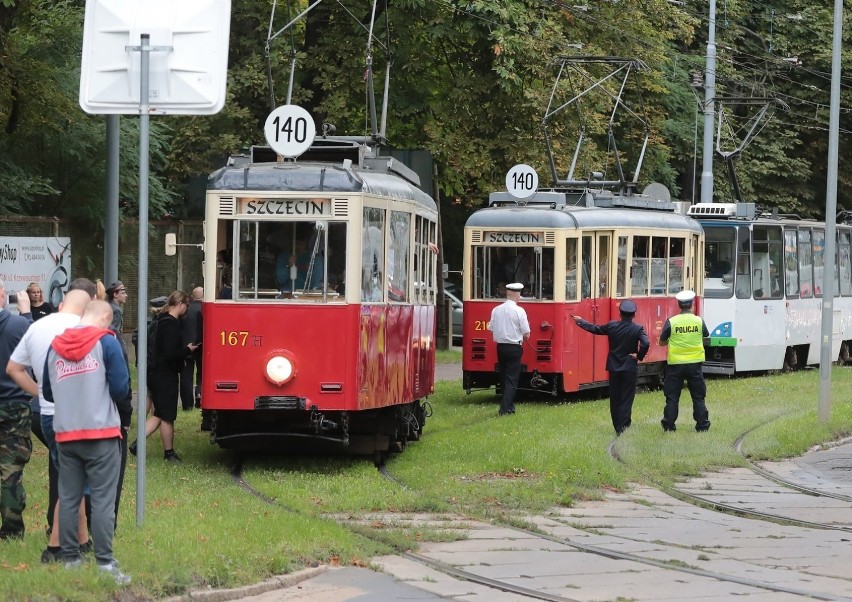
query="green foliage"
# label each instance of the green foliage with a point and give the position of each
(469, 81)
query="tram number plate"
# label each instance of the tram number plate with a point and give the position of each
(481, 325)
(234, 338)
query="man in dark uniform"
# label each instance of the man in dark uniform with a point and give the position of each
(510, 328)
(628, 345)
(684, 335)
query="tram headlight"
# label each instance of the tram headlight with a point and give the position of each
(280, 369)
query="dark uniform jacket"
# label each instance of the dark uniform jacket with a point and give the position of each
(625, 337)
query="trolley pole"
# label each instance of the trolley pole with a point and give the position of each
(825, 356)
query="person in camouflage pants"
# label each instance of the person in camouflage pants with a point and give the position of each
(15, 449)
(15, 421)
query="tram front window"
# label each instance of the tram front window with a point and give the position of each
(495, 267)
(720, 257)
(289, 259)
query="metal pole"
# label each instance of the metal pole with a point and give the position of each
(709, 95)
(111, 201)
(825, 358)
(142, 287)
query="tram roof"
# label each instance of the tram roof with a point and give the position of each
(579, 217)
(316, 177)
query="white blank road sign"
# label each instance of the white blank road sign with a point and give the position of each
(189, 79)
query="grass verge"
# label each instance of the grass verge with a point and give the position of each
(201, 530)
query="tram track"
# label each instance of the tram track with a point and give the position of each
(541, 533)
(745, 512)
(238, 477)
(613, 554)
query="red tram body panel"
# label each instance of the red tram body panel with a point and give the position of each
(345, 358)
(560, 347)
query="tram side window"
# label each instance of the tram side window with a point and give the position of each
(743, 278)
(603, 266)
(571, 269)
(421, 259)
(397, 270)
(586, 267)
(719, 258)
(818, 256)
(791, 264)
(373, 255)
(677, 256)
(432, 262)
(766, 257)
(621, 268)
(659, 248)
(639, 266)
(844, 264)
(806, 275)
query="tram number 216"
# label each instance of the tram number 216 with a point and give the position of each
(481, 325)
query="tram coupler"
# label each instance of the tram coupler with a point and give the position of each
(540, 383)
(320, 423)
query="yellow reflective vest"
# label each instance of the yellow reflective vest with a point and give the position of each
(686, 342)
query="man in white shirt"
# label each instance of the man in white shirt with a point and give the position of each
(31, 352)
(510, 328)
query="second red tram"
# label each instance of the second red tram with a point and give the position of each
(576, 255)
(321, 323)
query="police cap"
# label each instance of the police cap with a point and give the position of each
(627, 307)
(515, 286)
(685, 297)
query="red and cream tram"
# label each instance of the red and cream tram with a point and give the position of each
(576, 254)
(322, 321)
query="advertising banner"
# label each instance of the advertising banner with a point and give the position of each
(44, 260)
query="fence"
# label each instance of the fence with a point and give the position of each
(165, 274)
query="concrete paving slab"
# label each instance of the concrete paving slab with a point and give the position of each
(642, 521)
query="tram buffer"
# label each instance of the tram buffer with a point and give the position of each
(684, 335)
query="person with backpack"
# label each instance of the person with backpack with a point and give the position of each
(166, 358)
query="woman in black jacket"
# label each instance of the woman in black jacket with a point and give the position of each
(169, 355)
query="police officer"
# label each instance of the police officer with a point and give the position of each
(628, 345)
(684, 334)
(510, 328)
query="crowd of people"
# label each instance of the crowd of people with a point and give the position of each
(67, 382)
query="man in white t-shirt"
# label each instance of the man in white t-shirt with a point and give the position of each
(31, 353)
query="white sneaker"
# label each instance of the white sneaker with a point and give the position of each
(74, 564)
(112, 569)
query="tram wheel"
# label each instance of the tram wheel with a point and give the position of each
(791, 359)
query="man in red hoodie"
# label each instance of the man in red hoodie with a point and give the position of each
(86, 377)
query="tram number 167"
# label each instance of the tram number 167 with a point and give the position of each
(234, 338)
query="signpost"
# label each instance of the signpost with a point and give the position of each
(152, 56)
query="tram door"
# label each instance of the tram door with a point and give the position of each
(596, 265)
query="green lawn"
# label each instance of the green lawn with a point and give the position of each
(202, 530)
